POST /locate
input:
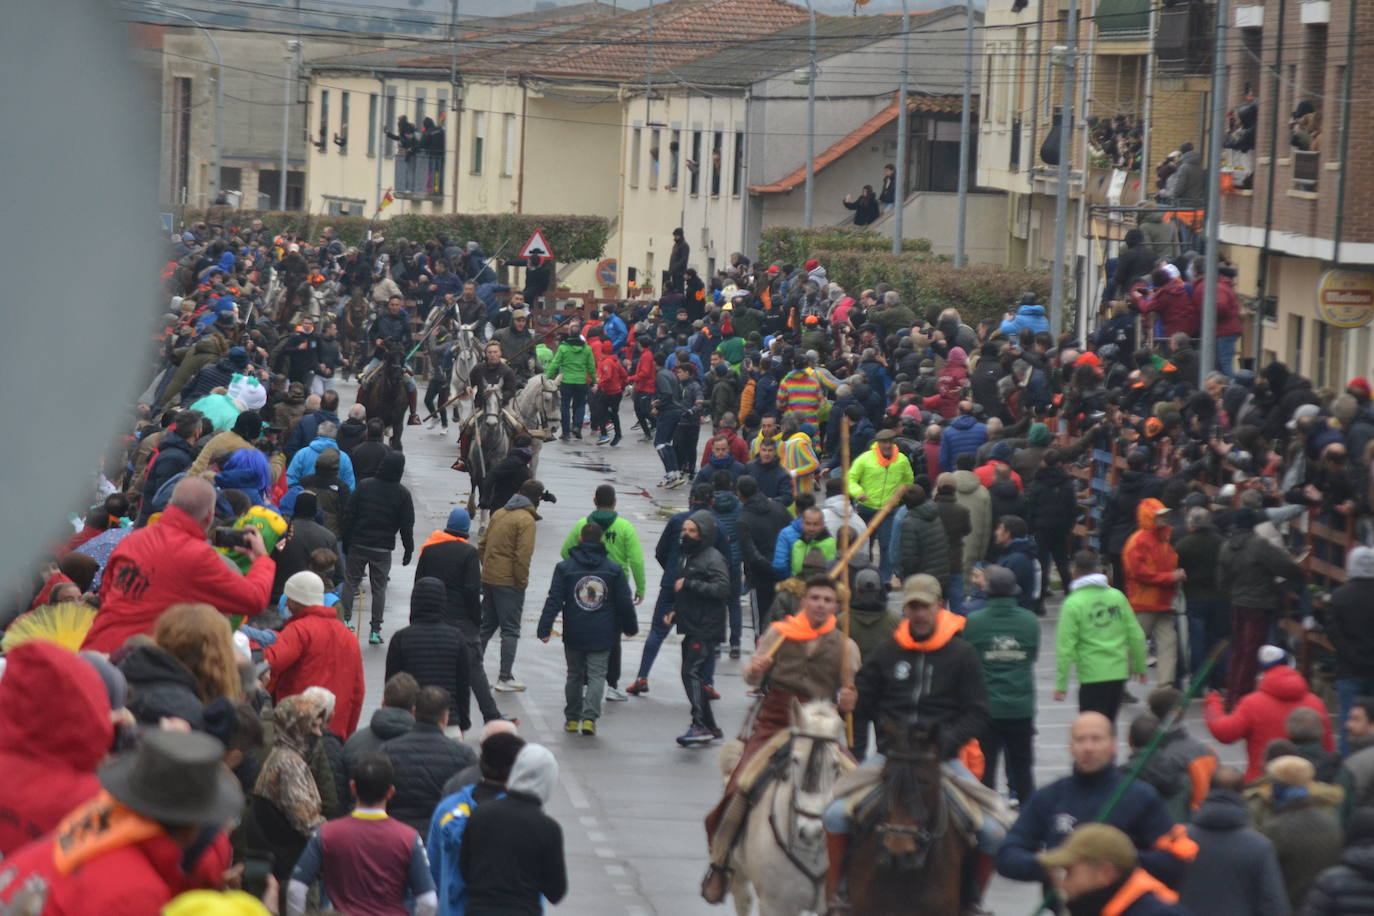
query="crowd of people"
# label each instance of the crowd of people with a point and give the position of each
(197, 618)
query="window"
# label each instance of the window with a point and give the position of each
(372, 124)
(635, 140)
(717, 142)
(419, 108)
(694, 165)
(322, 142)
(343, 206)
(269, 184)
(390, 120)
(987, 82)
(508, 142)
(341, 138)
(654, 153)
(181, 137)
(230, 179)
(649, 271)
(479, 140)
(737, 176)
(1252, 52)
(674, 160)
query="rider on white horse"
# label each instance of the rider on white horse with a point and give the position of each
(801, 658)
(490, 374)
(392, 326)
(517, 342)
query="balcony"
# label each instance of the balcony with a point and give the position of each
(419, 175)
(1183, 44)
(1123, 20)
(1306, 169)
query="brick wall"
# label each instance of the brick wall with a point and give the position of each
(1296, 212)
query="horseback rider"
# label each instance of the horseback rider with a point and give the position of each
(492, 374)
(925, 673)
(517, 342)
(392, 327)
(801, 658)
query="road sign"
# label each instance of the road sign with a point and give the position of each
(536, 246)
(606, 272)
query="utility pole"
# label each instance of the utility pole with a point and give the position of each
(810, 117)
(899, 180)
(1068, 63)
(1147, 117)
(288, 98)
(965, 131)
(649, 70)
(1207, 359)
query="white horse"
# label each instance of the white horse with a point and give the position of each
(790, 879)
(466, 355)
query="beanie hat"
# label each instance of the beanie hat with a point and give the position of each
(1039, 434)
(248, 425)
(459, 521)
(238, 356)
(812, 264)
(1271, 656)
(307, 504)
(1359, 386)
(305, 588)
(116, 688)
(1359, 563)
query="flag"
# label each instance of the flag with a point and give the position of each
(387, 198)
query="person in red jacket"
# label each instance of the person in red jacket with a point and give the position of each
(1262, 716)
(170, 562)
(739, 449)
(125, 852)
(611, 379)
(645, 385)
(1152, 576)
(317, 649)
(48, 760)
(1173, 302)
(1228, 317)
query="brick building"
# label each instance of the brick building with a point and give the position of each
(1292, 56)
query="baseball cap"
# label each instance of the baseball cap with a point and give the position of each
(922, 589)
(1093, 842)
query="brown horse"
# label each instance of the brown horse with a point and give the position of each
(384, 394)
(352, 334)
(905, 855)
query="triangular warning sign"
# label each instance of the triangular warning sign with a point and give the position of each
(536, 246)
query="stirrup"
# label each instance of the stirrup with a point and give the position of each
(715, 884)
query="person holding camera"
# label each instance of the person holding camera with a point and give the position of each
(505, 550)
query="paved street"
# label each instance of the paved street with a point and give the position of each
(630, 800)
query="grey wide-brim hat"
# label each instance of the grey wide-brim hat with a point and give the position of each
(175, 778)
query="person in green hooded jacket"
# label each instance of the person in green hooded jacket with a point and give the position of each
(577, 364)
(1006, 638)
(622, 545)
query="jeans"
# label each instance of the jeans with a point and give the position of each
(377, 562)
(1101, 696)
(586, 684)
(1207, 625)
(954, 593)
(1016, 737)
(477, 675)
(1226, 354)
(695, 654)
(658, 631)
(1348, 690)
(572, 408)
(501, 609)
(663, 439)
(435, 394)
(881, 538)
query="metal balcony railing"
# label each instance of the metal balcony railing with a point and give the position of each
(1183, 44)
(421, 174)
(1306, 169)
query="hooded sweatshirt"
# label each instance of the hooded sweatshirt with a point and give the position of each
(303, 463)
(1262, 716)
(1098, 634)
(1236, 872)
(620, 539)
(48, 760)
(592, 593)
(1150, 561)
(700, 603)
(386, 723)
(430, 650)
(574, 359)
(380, 508)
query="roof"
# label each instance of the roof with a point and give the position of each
(925, 104)
(787, 49)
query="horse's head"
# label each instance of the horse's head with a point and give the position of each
(816, 732)
(816, 719)
(912, 815)
(491, 407)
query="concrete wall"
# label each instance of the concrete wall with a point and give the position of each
(571, 155)
(935, 215)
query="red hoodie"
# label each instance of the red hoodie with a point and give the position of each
(610, 374)
(168, 563)
(48, 760)
(646, 373)
(1262, 716)
(1176, 309)
(316, 649)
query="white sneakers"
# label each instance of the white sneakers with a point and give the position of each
(508, 685)
(616, 695)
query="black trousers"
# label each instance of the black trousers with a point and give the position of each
(1103, 697)
(1015, 737)
(643, 404)
(1054, 545)
(696, 656)
(607, 412)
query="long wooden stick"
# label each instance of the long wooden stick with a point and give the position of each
(846, 676)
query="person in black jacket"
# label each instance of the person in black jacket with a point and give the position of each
(174, 456)
(1137, 259)
(424, 759)
(367, 455)
(1351, 628)
(509, 474)
(160, 687)
(449, 557)
(760, 521)
(592, 593)
(512, 852)
(305, 536)
(1118, 517)
(1052, 510)
(677, 262)
(431, 650)
(377, 511)
(1348, 888)
(702, 587)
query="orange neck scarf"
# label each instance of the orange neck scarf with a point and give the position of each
(947, 624)
(884, 462)
(799, 629)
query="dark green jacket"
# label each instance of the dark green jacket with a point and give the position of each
(1006, 638)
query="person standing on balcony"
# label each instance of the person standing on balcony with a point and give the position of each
(887, 197)
(677, 262)
(865, 208)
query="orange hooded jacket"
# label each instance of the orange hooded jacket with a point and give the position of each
(1149, 561)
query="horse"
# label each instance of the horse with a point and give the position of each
(353, 333)
(466, 355)
(905, 856)
(384, 394)
(780, 856)
(489, 444)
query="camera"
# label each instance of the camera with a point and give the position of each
(547, 497)
(229, 537)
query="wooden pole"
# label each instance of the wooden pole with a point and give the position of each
(846, 676)
(842, 563)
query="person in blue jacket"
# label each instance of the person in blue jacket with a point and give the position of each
(614, 327)
(1029, 314)
(962, 437)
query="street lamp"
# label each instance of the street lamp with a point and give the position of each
(219, 97)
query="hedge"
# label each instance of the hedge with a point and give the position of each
(978, 291)
(573, 238)
(789, 245)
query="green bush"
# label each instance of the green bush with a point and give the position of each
(978, 291)
(790, 245)
(573, 238)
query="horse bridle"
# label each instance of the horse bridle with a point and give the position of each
(921, 836)
(818, 743)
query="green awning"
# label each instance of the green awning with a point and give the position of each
(1123, 20)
